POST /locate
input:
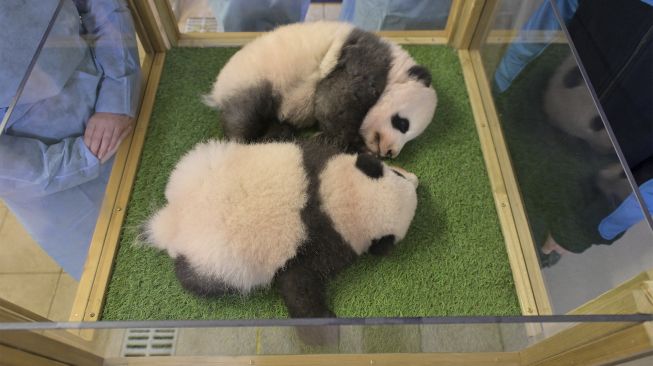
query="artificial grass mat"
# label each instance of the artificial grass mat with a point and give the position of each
(452, 261)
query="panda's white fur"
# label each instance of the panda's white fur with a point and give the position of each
(233, 210)
(296, 57)
(238, 215)
(293, 57)
(362, 208)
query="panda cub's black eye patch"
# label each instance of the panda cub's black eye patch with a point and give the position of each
(399, 174)
(400, 123)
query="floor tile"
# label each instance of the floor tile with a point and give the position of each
(20, 253)
(332, 11)
(216, 342)
(63, 298)
(315, 13)
(461, 338)
(33, 291)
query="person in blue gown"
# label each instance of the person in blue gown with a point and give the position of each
(78, 104)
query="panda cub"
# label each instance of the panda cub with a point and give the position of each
(364, 91)
(241, 216)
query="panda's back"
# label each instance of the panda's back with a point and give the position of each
(239, 209)
(292, 58)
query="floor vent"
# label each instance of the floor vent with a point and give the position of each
(203, 25)
(149, 342)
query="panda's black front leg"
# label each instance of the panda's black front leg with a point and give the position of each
(383, 245)
(304, 292)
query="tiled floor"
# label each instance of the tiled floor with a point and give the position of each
(28, 277)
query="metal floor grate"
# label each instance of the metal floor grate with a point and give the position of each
(196, 24)
(149, 342)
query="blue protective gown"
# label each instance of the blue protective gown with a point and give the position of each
(372, 15)
(48, 177)
(375, 15)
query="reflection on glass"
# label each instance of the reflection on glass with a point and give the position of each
(496, 336)
(78, 104)
(574, 188)
(265, 15)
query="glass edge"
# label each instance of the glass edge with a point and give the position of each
(30, 67)
(445, 320)
(608, 127)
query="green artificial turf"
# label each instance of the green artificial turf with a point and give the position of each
(452, 262)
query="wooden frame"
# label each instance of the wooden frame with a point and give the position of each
(233, 39)
(97, 269)
(529, 286)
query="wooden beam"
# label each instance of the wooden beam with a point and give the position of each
(627, 343)
(505, 36)
(140, 28)
(507, 201)
(72, 351)
(470, 14)
(168, 21)
(628, 298)
(150, 25)
(15, 357)
(233, 39)
(597, 306)
(524, 249)
(453, 19)
(479, 359)
(97, 269)
(12, 313)
(484, 24)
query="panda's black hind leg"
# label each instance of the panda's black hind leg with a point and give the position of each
(304, 292)
(251, 114)
(197, 283)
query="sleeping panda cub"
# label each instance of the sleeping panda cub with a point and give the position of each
(364, 91)
(242, 216)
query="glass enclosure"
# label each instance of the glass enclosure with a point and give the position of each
(579, 135)
(583, 208)
(497, 338)
(258, 16)
(75, 71)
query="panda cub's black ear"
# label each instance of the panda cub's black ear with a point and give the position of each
(371, 166)
(420, 73)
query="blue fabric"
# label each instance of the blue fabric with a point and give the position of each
(628, 213)
(257, 15)
(522, 50)
(372, 15)
(375, 15)
(48, 177)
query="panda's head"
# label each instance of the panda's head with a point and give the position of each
(569, 106)
(402, 113)
(367, 200)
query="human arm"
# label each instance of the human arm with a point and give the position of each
(32, 169)
(110, 32)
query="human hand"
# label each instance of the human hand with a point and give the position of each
(104, 133)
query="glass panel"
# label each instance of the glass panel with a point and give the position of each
(265, 15)
(57, 149)
(589, 230)
(344, 336)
